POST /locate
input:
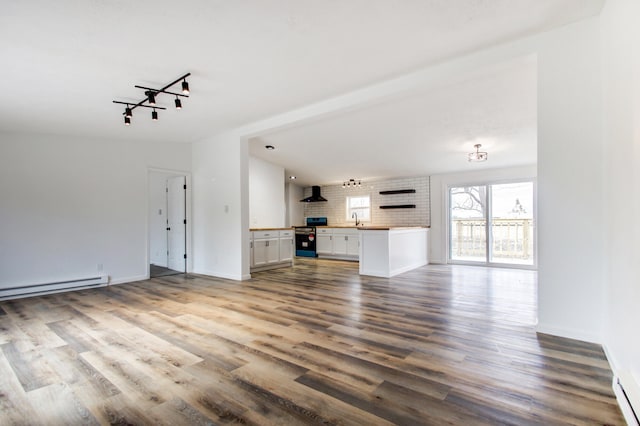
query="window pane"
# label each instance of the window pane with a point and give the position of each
(468, 223)
(512, 223)
(360, 206)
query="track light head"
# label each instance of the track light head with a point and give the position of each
(152, 98)
(154, 115)
(178, 103)
(127, 112)
(127, 121)
(185, 87)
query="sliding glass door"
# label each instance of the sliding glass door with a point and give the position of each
(492, 224)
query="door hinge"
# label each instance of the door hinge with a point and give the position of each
(184, 187)
(166, 189)
(185, 256)
(168, 229)
(185, 221)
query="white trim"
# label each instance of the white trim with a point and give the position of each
(217, 274)
(446, 194)
(188, 215)
(126, 280)
(626, 389)
(568, 333)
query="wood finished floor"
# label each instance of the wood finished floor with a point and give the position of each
(312, 344)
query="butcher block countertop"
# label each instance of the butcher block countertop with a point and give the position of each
(373, 228)
(389, 228)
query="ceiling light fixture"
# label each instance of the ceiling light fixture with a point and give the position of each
(150, 98)
(127, 121)
(292, 177)
(352, 183)
(270, 147)
(478, 155)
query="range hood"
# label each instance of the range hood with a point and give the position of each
(315, 196)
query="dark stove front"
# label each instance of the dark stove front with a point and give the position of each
(306, 241)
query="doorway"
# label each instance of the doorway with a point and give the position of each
(492, 224)
(167, 224)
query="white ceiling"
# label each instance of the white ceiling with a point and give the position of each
(64, 61)
(421, 133)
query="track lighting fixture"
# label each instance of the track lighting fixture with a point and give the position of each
(150, 99)
(352, 183)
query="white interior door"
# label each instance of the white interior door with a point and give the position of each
(158, 219)
(176, 223)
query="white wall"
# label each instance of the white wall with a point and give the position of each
(569, 176)
(295, 209)
(221, 206)
(439, 188)
(570, 190)
(71, 204)
(266, 194)
(622, 182)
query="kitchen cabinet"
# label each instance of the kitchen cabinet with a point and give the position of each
(271, 249)
(286, 246)
(324, 243)
(339, 243)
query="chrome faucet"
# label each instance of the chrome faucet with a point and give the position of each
(355, 215)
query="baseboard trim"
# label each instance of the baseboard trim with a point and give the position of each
(126, 280)
(568, 333)
(242, 277)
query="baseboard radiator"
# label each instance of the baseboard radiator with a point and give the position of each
(628, 396)
(18, 292)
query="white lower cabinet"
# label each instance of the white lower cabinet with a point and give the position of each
(273, 248)
(286, 246)
(265, 251)
(338, 242)
(324, 243)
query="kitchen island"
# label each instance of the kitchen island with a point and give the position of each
(389, 251)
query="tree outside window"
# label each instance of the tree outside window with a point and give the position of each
(360, 205)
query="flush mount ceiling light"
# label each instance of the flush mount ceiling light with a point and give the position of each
(150, 99)
(270, 147)
(352, 183)
(478, 155)
(292, 177)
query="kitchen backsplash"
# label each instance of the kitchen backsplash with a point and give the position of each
(335, 207)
